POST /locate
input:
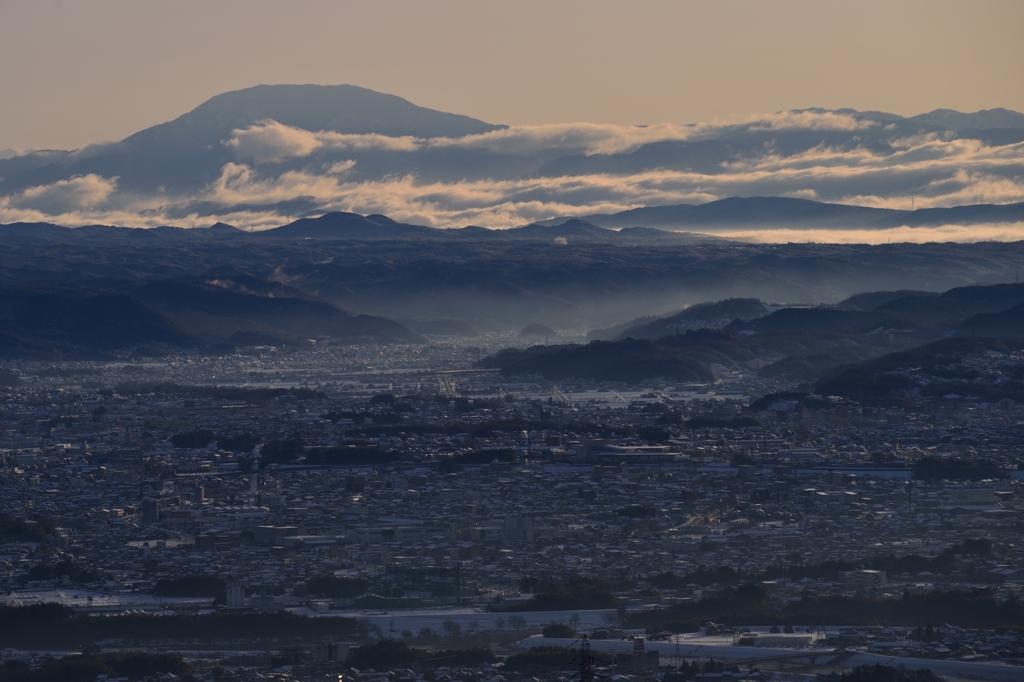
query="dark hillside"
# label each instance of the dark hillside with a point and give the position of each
(936, 370)
(685, 358)
(102, 322)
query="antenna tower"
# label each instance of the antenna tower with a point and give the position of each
(586, 661)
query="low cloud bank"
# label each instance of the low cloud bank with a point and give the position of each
(310, 173)
(999, 232)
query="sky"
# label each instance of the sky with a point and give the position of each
(75, 72)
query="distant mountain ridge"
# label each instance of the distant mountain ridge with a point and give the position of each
(344, 226)
(750, 212)
(209, 314)
(979, 120)
(806, 343)
(292, 152)
(636, 225)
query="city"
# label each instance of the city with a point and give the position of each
(426, 501)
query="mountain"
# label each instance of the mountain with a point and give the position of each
(63, 319)
(869, 300)
(277, 154)
(581, 276)
(48, 324)
(27, 233)
(1006, 324)
(226, 306)
(340, 225)
(979, 120)
(805, 343)
(686, 358)
(933, 371)
(188, 153)
(765, 212)
(743, 211)
(799, 132)
(636, 226)
(956, 304)
(345, 109)
(700, 316)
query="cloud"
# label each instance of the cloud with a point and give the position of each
(79, 192)
(494, 203)
(270, 141)
(999, 232)
(809, 120)
(592, 138)
(281, 172)
(341, 167)
(372, 141)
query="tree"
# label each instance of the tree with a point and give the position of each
(558, 630)
(451, 628)
(885, 673)
(383, 655)
(191, 586)
(193, 439)
(539, 659)
(281, 451)
(517, 623)
(575, 593)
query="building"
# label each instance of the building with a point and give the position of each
(264, 601)
(639, 661)
(236, 596)
(864, 579)
(150, 510)
(971, 497)
(330, 652)
(519, 530)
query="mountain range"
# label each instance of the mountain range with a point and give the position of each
(203, 314)
(840, 344)
(666, 224)
(762, 212)
(351, 278)
(272, 155)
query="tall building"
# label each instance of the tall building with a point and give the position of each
(519, 530)
(150, 510)
(236, 596)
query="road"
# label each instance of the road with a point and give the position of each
(726, 652)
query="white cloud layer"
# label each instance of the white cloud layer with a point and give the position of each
(271, 141)
(323, 169)
(64, 196)
(998, 232)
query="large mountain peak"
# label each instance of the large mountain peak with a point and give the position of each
(338, 108)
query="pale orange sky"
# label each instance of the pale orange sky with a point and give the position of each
(74, 72)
